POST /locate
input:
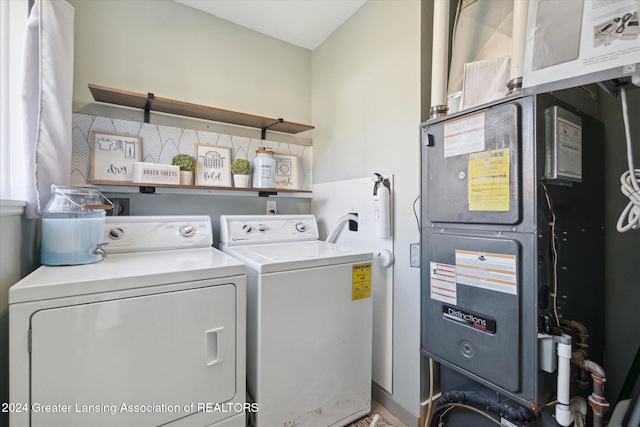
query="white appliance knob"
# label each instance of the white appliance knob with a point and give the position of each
(116, 233)
(262, 228)
(385, 258)
(187, 230)
(301, 227)
(246, 229)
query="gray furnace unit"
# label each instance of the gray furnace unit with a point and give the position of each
(512, 209)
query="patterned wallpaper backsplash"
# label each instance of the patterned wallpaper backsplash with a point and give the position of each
(161, 143)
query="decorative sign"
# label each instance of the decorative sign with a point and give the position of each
(286, 172)
(213, 166)
(113, 156)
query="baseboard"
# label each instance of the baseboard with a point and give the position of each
(381, 396)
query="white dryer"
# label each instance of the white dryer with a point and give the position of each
(309, 321)
(152, 335)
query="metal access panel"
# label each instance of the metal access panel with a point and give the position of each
(473, 316)
(474, 168)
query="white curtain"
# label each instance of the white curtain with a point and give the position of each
(47, 93)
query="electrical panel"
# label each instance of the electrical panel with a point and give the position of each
(563, 145)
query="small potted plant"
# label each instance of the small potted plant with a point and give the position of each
(187, 166)
(241, 169)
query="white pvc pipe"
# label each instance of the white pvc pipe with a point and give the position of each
(440, 54)
(520, 13)
(563, 413)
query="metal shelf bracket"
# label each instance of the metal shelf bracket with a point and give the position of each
(264, 129)
(147, 107)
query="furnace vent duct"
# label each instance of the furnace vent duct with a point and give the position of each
(440, 56)
(519, 32)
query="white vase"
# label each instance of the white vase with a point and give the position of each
(241, 181)
(186, 178)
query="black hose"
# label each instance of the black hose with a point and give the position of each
(513, 413)
(632, 377)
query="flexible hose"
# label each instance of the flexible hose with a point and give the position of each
(334, 233)
(430, 405)
(512, 413)
(468, 407)
(629, 180)
(630, 380)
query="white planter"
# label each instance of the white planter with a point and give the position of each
(241, 181)
(186, 178)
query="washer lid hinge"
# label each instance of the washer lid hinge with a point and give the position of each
(29, 340)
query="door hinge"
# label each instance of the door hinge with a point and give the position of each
(29, 341)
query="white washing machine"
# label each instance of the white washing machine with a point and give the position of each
(152, 335)
(309, 321)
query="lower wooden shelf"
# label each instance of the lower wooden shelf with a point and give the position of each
(131, 187)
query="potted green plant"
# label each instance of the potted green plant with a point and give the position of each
(187, 166)
(241, 169)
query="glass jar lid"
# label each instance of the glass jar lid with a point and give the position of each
(76, 199)
(264, 150)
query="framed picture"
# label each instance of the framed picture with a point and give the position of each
(213, 166)
(286, 172)
(113, 156)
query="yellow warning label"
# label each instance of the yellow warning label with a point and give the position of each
(489, 180)
(360, 281)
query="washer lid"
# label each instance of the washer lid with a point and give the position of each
(120, 272)
(277, 257)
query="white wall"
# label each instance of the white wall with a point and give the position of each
(177, 52)
(366, 110)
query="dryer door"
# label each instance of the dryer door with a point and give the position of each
(141, 361)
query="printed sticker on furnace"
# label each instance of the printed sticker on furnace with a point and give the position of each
(360, 281)
(463, 136)
(495, 272)
(489, 186)
(443, 282)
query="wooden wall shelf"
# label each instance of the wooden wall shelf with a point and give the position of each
(149, 102)
(130, 187)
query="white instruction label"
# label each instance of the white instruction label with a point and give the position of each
(443, 282)
(464, 136)
(569, 149)
(496, 272)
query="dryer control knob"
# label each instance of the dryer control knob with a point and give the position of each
(301, 227)
(246, 229)
(262, 228)
(187, 231)
(116, 233)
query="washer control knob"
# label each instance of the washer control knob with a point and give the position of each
(187, 231)
(246, 229)
(262, 228)
(301, 227)
(116, 233)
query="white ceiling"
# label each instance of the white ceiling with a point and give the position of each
(304, 23)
